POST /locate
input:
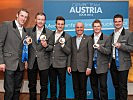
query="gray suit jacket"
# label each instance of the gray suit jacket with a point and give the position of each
(11, 45)
(103, 54)
(36, 49)
(60, 57)
(81, 58)
(126, 40)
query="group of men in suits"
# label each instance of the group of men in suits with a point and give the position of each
(48, 54)
(83, 61)
(51, 53)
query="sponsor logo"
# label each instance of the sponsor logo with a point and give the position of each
(85, 9)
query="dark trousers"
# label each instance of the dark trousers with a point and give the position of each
(61, 74)
(12, 84)
(99, 85)
(119, 79)
(32, 77)
(79, 85)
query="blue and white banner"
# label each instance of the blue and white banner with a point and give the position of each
(86, 12)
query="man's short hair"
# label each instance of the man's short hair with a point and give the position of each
(40, 13)
(96, 21)
(60, 18)
(118, 16)
(23, 9)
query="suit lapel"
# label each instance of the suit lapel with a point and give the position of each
(34, 34)
(35, 37)
(63, 35)
(92, 36)
(23, 33)
(82, 41)
(100, 38)
(34, 41)
(43, 31)
(74, 42)
(112, 38)
(55, 42)
(121, 35)
(15, 29)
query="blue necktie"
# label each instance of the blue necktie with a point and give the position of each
(95, 59)
(25, 51)
(117, 58)
(38, 41)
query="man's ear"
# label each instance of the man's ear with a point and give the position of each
(35, 20)
(16, 15)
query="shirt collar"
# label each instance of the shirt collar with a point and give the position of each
(97, 35)
(18, 25)
(120, 30)
(80, 36)
(58, 32)
(39, 29)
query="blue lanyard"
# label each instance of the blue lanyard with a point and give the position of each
(117, 58)
(95, 59)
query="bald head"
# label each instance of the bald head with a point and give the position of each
(79, 28)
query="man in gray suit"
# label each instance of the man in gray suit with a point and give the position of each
(12, 34)
(102, 49)
(122, 45)
(81, 61)
(59, 59)
(39, 57)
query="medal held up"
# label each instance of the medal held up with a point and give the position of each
(26, 42)
(95, 46)
(62, 40)
(43, 38)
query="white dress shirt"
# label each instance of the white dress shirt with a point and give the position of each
(78, 40)
(20, 28)
(96, 37)
(39, 32)
(116, 37)
(57, 35)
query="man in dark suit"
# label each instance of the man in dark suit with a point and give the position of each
(59, 59)
(122, 45)
(81, 61)
(12, 34)
(102, 49)
(39, 57)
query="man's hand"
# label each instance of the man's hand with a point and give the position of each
(2, 67)
(117, 45)
(96, 46)
(26, 65)
(29, 40)
(44, 43)
(88, 71)
(69, 70)
(109, 65)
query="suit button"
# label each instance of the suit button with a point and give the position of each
(54, 45)
(53, 57)
(53, 51)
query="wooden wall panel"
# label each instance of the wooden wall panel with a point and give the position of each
(8, 9)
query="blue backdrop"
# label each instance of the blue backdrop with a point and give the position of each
(87, 12)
